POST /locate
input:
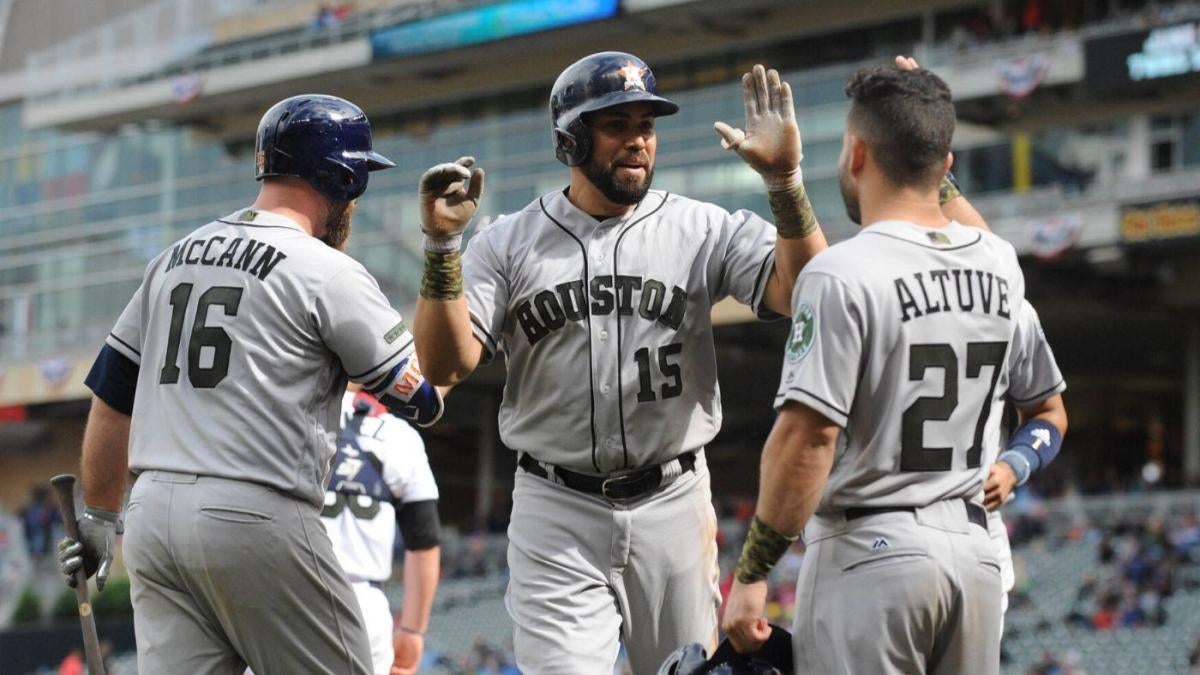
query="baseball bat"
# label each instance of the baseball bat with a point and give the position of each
(64, 488)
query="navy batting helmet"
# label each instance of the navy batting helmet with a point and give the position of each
(593, 83)
(325, 140)
(774, 658)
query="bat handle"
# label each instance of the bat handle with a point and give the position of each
(64, 489)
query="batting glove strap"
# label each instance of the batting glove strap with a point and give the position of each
(106, 518)
(784, 182)
(443, 244)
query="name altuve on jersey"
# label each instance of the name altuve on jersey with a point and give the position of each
(942, 285)
(255, 257)
(550, 310)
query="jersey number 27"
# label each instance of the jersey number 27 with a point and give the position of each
(914, 456)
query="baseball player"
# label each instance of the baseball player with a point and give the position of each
(906, 336)
(1032, 366)
(219, 387)
(381, 477)
(1031, 352)
(599, 295)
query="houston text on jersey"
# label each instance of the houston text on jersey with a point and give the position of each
(550, 310)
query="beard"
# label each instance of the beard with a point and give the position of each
(337, 225)
(849, 196)
(626, 193)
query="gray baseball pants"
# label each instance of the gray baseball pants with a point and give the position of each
(227, 573)
(586, 574)
(898, 592)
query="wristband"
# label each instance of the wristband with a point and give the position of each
(106, 518)
(763, 548)
(784, 181)
(411, 631)
(949, 189)
(442, 278)
(1021, 467)
(794, 217)
(443, 244)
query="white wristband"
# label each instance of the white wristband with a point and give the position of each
(784, 182)
(443, 244)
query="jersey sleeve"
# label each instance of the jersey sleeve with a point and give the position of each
(358, 324)
(126, 335)
(747, 250)
(1033, 373)
(405, 465)
(486, 289)
(824, 348)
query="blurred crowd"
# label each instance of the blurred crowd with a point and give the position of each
(1007, 19)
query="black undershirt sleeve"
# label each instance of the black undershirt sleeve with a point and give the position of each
(419, 525)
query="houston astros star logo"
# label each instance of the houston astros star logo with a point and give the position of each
(632, 75)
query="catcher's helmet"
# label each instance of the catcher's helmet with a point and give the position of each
(593, 83)
(774, 658)
(325, 140)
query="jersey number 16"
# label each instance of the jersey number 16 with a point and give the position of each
(202, 377)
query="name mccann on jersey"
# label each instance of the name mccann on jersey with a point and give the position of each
(247, 255)
(937, 287)
(551, 309)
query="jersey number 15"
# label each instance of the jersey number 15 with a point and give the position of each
(914, 456)
(227, 298)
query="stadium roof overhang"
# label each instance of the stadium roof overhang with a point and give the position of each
(228, 95)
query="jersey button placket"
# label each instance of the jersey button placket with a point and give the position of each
(604, 350)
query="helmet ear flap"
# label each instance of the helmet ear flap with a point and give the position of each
(573, 144)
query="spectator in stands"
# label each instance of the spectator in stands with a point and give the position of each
(330, 14)
(72, 663)
(40, 516)
(1105, 616)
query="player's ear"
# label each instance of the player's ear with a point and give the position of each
(858, 155)
(948, 163)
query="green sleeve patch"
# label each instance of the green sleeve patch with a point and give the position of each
(804, 330)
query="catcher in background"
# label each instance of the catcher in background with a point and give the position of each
(380, 478)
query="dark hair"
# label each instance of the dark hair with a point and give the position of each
(906, 118)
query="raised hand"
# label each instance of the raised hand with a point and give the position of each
(906, 63)
(449, 194)
(770, 143)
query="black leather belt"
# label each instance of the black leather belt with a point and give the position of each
(619, 485)
(975, 513)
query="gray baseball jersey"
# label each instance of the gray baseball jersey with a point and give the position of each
(1033, 374)
(244, 333)
(903, 336)
(606, 324)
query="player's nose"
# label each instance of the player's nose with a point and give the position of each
(635, 142)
